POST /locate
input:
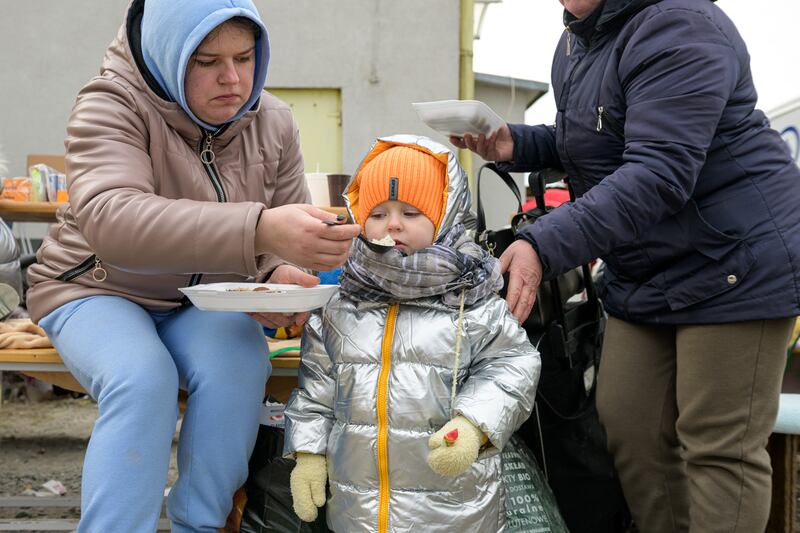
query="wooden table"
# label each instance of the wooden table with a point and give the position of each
(13, 211)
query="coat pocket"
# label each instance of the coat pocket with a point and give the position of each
(704, 237)
(606, 120)
(82, 268)
(715, 278)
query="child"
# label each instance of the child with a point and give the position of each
(406, 447)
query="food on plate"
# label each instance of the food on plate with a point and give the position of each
(248, 289)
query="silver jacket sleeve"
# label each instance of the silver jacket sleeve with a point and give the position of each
(309, 412)
(498, 395)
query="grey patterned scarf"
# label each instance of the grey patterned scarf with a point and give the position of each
(443, 269)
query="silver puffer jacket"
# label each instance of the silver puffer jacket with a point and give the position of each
(375, 383)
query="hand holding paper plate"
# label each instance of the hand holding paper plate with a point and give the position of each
(457, 117)
(258, 297)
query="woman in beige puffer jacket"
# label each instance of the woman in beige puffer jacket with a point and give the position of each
(180, 170)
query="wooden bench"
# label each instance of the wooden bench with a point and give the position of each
(45, 364)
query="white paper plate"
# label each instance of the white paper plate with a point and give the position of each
(457, 117)
(280, 298)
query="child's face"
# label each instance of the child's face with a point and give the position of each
(410, 229)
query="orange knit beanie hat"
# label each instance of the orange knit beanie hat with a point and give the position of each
(405, 174)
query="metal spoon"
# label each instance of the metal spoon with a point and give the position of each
(377, 248)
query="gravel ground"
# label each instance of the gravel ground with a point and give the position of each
(45, 440)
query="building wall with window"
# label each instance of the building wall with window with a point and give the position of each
(350, 71)
(378, 55)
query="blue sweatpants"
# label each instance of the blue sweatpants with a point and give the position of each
(132, 361)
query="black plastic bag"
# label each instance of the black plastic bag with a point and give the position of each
(269, 498)
(567, 438)
(580, 470)
(530, 504)
(564, 433)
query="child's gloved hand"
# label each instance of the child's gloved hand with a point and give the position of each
(307, 483)
(455, 447)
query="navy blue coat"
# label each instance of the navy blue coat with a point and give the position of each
(685, 192)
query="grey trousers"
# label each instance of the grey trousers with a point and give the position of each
(688, 410)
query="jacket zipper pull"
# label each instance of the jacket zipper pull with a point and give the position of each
(569, 40)
(99, 273)
(207, 156)
(599, 118)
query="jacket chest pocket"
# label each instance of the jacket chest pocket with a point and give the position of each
(610, 124)
(590, 153)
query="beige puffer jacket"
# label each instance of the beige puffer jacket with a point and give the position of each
(146, 215)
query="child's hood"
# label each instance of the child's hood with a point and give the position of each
(455, 199)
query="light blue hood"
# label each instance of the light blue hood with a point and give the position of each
(173, 29)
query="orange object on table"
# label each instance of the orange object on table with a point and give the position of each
(17, 189)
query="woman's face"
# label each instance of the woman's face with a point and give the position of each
(219, 77)
(580, 8)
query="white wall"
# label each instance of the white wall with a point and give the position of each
(50, 49)
(786, 120)
(498, 200)
(383, 54)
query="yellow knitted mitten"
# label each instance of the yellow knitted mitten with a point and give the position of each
(307, 483)
(455, 447)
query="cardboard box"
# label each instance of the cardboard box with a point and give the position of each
(55, 161)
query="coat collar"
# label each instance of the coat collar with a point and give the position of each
(608, 14)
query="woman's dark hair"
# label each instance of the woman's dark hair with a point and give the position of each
(239, 22)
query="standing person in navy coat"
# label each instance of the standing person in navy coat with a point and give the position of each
(693, 202)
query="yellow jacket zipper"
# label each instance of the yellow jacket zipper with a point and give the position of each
(383, 431)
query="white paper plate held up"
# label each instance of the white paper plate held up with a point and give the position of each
(278, 298)
(457, 117)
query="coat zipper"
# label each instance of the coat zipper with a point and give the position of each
(569, 40)
(382, 409)
(207, 157)
(565, 98)
(99, 273)
(612, 123)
